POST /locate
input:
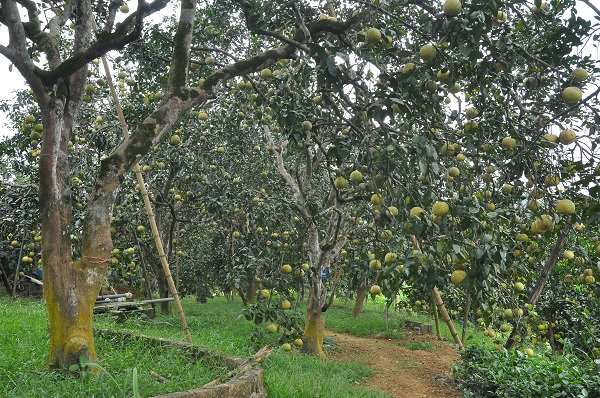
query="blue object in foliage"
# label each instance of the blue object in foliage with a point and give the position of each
(37, 274)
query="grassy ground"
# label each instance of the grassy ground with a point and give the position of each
(217, 325)
(24, 341)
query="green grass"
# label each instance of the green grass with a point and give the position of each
(217, 325)
(24, 341)
(302, 376)
(419, 345)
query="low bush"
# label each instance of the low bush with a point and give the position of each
(481, 373)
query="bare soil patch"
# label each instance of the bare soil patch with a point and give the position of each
(400, 371)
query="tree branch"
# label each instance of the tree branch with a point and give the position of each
(181, 47)
(128, 31)
(281, 167)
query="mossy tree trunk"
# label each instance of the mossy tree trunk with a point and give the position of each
(70, 287)
(314, 330)
(320, 259)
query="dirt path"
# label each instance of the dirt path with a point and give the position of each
(400, 371)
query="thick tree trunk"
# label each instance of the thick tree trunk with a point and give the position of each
(70, 291)
(70, 287)
(5, 279)
(314, 331)
(361, 294)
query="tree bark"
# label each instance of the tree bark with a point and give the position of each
(161, 279)
(436, 317)
(70, 287)
(361, 294)
(5, 279)
(251, 291)
(314, 331)
(337, 273)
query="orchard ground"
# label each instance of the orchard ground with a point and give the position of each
(373, 364)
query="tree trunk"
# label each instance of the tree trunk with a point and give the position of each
(251, 291)
(361, 294)
(436, 317)
(70, 287)
(387, 315)
(337, 273)
(161, 279)
(5, 279)
(314, 330)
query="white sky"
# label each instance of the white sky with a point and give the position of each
(11, 81)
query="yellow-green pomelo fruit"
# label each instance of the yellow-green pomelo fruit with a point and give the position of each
(452, 8)
(458, 276)
(572, 95)
(440, 208)
(373, 36)
(565, 207)
(427, 52)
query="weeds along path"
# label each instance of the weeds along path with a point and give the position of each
(400, 371)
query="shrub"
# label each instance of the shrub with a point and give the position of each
(508, 374)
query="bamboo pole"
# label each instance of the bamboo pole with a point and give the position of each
(436, 317)
(438, 300)
(144, 192)
(14, 287)
(442, 307)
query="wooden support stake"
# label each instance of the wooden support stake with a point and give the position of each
(436, 317)
(14, 288)
(442, 307)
